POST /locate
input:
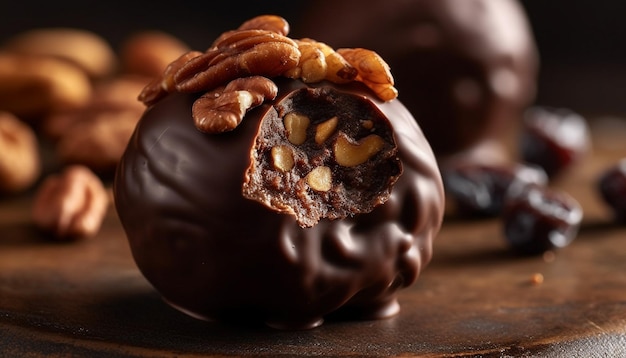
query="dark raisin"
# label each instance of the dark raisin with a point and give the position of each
(537, 219)
(612, 187)
(554, 138)
(480, 189)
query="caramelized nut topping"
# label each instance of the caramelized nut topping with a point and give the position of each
(312, 66)
(223, 109)
(267, 22)
(260, 47)
(373, 71)
(240, 54)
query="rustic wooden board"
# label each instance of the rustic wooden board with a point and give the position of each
(475, 299)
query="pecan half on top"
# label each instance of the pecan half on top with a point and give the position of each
(260, 48)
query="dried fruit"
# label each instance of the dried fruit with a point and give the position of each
(481, 189)
(611, 185)
(554, 138)
(537, 219)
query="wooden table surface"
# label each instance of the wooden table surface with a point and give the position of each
(474, 300)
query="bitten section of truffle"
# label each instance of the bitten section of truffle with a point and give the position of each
(321, 153)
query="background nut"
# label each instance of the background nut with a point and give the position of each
(71, 205)
(148, 53)
(89, 51)
(20, 164)
(32, 86)
(98, 143)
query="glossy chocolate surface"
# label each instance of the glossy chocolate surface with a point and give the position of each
(216, 255)
(465, 69)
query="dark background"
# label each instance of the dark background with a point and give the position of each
(582, 43)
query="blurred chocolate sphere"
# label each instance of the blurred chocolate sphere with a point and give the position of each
(465, 69)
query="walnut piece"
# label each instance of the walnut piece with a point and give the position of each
(71, 205)
(20, 164)
(239, 54)
(260, 47)
(372, 70)
(161, 86)
(267, 22)
(319, 62)
(222, 110)
(312, 66)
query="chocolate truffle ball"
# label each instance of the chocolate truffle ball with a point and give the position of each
(465, 69)
(216, 254)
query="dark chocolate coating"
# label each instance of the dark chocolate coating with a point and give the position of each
(216, 255)
(465, 69)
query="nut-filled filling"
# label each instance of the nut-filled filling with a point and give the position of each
(321, 153)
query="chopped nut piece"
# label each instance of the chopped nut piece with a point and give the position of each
(71, 205)
(350, 154)
(320, 179)
(325, 129)
(282, 158)
(160, 87)
(296, 126)
(367, 124)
